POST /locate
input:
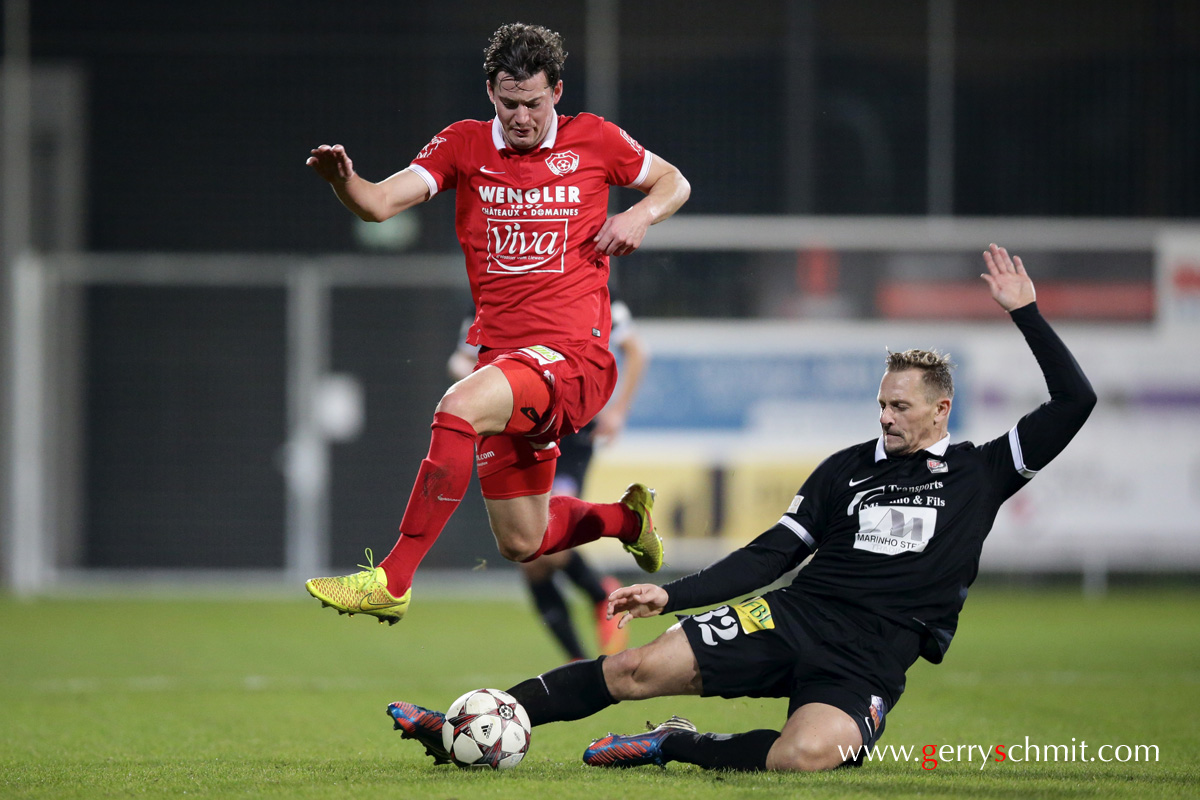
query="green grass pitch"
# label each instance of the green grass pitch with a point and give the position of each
(200, 697)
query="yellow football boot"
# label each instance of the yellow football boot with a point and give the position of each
(363, 592)
(647, 551)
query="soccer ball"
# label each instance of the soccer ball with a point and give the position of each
(486, 728)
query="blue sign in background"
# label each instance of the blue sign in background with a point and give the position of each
(717, 392)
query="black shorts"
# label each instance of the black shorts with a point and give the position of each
(810, 650)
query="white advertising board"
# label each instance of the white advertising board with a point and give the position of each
(727, 405)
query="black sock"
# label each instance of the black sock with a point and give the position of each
(746, 752)
(553, 609)
(573, 691)
(583, 576)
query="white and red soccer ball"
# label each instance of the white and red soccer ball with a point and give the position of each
(486, 728)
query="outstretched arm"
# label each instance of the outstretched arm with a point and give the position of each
(748, 568)
(372, 202)
(1045, 432)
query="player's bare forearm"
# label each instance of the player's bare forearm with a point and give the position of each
(375, 202)
(371, 202)
(637, 356)
(667, 191)
(611, 421)
(362, 197)
(334, 165)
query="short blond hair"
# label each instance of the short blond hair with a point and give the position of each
(935, 368)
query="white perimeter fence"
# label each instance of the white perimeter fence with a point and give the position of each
(781, 393)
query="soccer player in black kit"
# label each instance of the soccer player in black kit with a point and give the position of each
(894, 526)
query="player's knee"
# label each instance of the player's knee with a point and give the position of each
(517, 549)
(619, 670)
(459, 404)
(519, 525)
(483, 400)
(809, 754)
(630, 676)
(518, 542)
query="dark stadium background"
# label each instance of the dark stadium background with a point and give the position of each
(199, 117)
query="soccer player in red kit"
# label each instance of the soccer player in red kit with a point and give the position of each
(531, 215)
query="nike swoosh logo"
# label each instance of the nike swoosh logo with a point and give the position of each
(491, 171)
(864, 480)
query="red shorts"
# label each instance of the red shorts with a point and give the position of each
(580, 381)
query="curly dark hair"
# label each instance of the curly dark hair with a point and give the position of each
(523, 51)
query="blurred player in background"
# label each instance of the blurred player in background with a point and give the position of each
(895, 527)
(532, 190)
(576, 455)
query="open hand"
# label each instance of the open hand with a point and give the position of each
(1006, 277)
(639, 600)
(331, 163)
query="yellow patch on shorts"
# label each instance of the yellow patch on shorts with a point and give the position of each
(755, 615)
(543, 354)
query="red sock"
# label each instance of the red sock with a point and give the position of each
(574, 522)
(441, 482)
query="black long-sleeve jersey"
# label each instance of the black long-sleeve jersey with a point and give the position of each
(901, 536)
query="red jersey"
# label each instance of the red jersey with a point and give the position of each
(527, 223)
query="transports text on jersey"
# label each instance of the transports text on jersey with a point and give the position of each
(914, 489)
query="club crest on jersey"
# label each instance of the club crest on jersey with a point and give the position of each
(562, 163)
(637, 148)
(428, 149)
(936, 466)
